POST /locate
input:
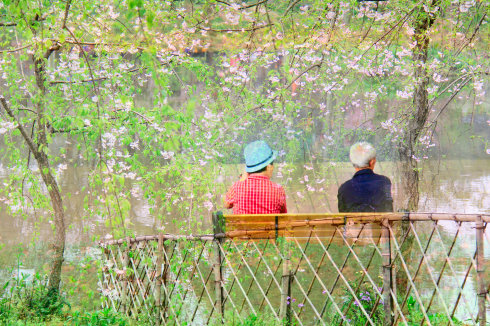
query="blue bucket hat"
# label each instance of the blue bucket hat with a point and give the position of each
(258, 155)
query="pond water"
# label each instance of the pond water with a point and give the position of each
(447, 186)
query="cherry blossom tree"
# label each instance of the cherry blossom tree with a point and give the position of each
(162, 94)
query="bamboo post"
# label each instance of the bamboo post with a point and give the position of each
(218, 228)
(125, 299)
(285, 307)
(387, 273)
(158, 288)
(405, 251)
(218, 223)
(166, 269)
(480, 271)
(105, 275)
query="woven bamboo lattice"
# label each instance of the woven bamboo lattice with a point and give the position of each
(307, 269)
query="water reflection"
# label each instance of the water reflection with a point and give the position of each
(460, 186)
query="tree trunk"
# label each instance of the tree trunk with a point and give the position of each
(38, 147)
(48, 178)
(59, 223)
(420, 112)
(417, 118)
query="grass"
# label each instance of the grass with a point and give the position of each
(27, 301)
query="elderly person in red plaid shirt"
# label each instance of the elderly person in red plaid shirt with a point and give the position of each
(255, 193)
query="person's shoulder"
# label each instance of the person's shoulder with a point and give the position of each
(276, 185)
(237, 184)
(383, 177)
(345, 184)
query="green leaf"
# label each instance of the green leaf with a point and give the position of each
(150, 17)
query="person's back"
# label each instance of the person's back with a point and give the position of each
(255, 193)
(366, 191)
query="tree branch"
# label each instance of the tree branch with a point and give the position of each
(67, 10)
(243, 7)
(51, 49)
(78, 82)
(16, 49)
(291, 7)
(459, 88)
(234, 29)
(7, 24)
(101, 78)
(399, 23)
(224, 2)
(318, 65)
(147, 120)
(473, 35)
(32, 146)
(26, 109)
(253, 5)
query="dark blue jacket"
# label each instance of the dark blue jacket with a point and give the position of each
(366, 192)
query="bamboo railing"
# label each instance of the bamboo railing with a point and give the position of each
(307, 269)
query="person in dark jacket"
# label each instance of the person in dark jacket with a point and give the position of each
(366, 191)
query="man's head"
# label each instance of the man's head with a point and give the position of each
(259, 158)
(362, 155)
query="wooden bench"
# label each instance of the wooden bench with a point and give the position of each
(270, 226)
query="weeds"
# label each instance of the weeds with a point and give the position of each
(26, 300)
(254, 320)
(415, 315)
(369, 301)
(27, 297)
(105, 317)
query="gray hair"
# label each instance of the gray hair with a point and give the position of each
(361, 153)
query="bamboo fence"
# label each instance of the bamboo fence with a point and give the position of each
(307, 269)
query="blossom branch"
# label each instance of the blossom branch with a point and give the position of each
(67, 10)
(291, 6)
(17, 49)
(472, 36)
(243, 7)
(208, 29)
(459, 88)
(37, 18)
(318, 65)
(26, 109)
(101, 78)
(253, 5)
(7, 24)
(400, 23)
(147, 120)
(32, 146)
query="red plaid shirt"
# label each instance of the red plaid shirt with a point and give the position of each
(257, 195)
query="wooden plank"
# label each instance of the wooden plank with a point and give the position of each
(373, 216)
